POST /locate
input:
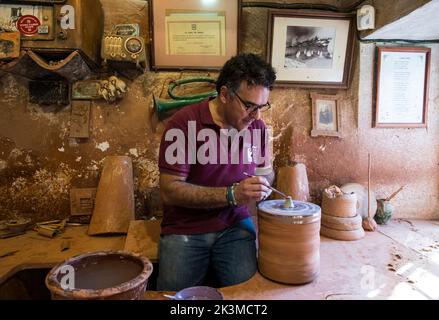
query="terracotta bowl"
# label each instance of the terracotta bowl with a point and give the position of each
(102, 275)
(18, 225)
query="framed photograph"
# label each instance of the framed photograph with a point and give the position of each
(193, 34)
(325, 115)
(401, 87)
(311, 49)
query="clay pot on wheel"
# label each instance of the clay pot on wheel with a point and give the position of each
(384, 211)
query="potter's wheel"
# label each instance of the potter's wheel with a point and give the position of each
(289, 241)
(302, 211)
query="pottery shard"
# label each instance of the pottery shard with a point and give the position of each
(342, 224)
(342, 235)
(114, 205)
(343, 206)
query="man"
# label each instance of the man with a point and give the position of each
(206, 189)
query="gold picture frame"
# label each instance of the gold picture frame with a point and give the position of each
(326, 116)
(193, 34)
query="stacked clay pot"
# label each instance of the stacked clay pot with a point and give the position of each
(340, 219)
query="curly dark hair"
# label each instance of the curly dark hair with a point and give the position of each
(246, 67)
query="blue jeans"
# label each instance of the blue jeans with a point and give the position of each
(184, 260)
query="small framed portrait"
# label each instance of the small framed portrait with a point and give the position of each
(325, 115)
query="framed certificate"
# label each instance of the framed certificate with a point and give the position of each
(193, 34)
(401, 88)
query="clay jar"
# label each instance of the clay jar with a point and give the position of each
(293, 181)
(384, 211)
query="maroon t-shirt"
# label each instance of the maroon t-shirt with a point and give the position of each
(179, 157)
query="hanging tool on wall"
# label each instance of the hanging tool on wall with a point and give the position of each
(164, 105)
(109, 89)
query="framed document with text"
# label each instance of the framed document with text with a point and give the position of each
(193, 34)
(401, 88)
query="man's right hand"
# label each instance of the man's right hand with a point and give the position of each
(251, 189)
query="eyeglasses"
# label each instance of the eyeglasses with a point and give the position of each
(251, 107)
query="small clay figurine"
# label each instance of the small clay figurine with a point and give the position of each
(120, 86)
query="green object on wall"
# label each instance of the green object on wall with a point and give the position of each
(176, 83)
(177, 102)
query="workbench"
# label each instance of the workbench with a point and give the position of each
(344, 264)
(31, 250)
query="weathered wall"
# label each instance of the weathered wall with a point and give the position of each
(39, 163)
(400, 156)
(403, 156)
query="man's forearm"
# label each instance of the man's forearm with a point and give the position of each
(181, 193)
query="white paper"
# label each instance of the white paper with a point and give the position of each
(401, 87)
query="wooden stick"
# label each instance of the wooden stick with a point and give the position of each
(270, 187)
(368, 186)
(369, 224)
(394, 194)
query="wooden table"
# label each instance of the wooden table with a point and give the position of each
(35, 251)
